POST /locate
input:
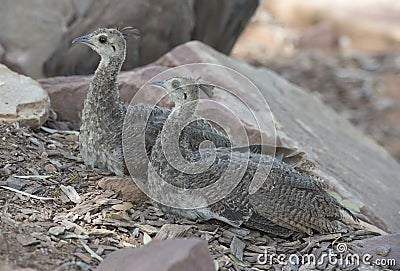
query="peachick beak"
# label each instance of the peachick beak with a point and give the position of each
(208, 89)
(159, 84)
(83, 39)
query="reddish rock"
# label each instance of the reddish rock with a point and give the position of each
(168, 255)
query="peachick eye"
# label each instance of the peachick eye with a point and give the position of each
(102, 39)
(175, 84)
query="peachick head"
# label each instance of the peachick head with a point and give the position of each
(107, 42)
(182, 89)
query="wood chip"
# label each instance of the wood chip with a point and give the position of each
(146, 238)
(26, 240)
(101, 232)
(107, 201)
(25, 194)
(87, 259)
(91, 252)
(70, 235)
(171, 231)
(237, 247)
(319, 238)
(147, 229)
(122, 206)
(240, 231)
(71, 193)
(77, 229)
(114, 222)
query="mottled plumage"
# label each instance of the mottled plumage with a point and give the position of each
(103, 114)
(287, 202)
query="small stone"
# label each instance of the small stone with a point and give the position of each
(382, 251)
(58, 230)
(50, 168)
(51, 147)
(71, 193)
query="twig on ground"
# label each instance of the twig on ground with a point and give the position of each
(91, 252)
(52, 131)
(26, 194)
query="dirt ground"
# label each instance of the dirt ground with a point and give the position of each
(61, 218)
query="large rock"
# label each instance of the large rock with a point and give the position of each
(171, 22)
(22, 99)
(169, 255)
(30, 30)
(35, 32)
(162, 25)
(362, 172)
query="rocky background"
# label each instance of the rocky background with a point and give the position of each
(346, 52)
(342, 108)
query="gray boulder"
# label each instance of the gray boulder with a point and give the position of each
(30, 30)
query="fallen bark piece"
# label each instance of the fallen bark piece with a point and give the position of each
(124, 185)
(171, 231)
(71, 193)
(237, 247)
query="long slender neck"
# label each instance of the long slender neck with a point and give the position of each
(184, 112)
(103, 88)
